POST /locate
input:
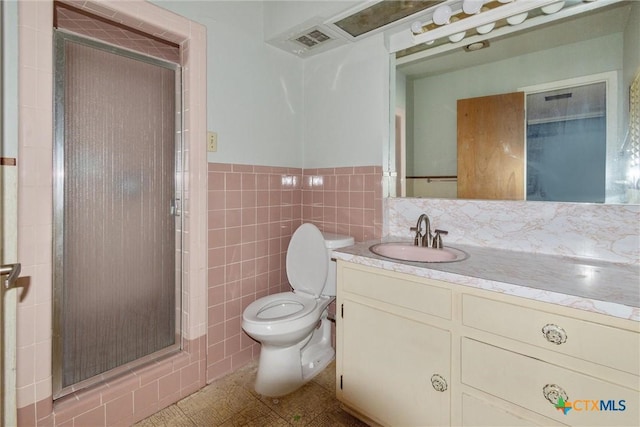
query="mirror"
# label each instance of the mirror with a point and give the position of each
(553, 64)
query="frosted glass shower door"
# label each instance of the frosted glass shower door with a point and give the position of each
(116, 294)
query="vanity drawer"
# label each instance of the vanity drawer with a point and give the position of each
(407, 293)
(524, 381)
(477, 412)
(605, 345)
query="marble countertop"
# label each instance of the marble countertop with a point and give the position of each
(592, 285)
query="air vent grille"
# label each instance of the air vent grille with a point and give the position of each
(312, 38)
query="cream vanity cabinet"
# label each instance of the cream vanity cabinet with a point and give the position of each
(419, 352)
(394, 348)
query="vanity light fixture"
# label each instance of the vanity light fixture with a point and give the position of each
(474, 14)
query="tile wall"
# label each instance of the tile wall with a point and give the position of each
(346, 200)
(253, 211)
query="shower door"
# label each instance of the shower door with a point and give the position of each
(117, 235)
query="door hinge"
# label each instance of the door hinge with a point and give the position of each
(342, 310)
(340, 382)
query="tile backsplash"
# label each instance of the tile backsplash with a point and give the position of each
(606, 232)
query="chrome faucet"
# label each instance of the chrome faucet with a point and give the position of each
(425, 239)
(428, 240)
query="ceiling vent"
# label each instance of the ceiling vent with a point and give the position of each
(312, 38)
(308, 38)
(319, 34)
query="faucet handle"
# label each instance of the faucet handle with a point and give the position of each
(417, 240)
(437, 239)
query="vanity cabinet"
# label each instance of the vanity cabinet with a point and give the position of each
(394, 362)
(494, 359)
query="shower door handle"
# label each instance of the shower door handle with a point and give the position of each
(12, 271)
(175, 207)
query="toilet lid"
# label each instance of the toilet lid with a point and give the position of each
(307, 260)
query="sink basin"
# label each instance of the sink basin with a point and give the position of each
(409, 252)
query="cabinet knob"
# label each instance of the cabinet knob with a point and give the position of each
(553, 393)
(438, 382)
(554, 334)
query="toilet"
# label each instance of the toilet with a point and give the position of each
(293, 327)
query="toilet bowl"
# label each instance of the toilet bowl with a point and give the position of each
(292, 327)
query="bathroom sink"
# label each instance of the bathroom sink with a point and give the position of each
(409, 252)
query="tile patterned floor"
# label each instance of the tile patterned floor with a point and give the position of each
(231, 401)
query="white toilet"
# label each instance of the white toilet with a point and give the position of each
(292, 326)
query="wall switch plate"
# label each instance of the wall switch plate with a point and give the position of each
(212, 142)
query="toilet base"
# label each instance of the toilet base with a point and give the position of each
(318, 352)
(282, 370)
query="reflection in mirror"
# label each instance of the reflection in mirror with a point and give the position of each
(566, 142)
(579, 68)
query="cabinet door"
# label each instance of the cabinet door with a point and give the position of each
(388, 363)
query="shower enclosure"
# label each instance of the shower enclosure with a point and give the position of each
(117, 223)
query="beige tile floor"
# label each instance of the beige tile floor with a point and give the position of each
(231, 401)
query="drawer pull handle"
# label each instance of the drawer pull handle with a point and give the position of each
(553, 393)
(554, 334)
(438, 383)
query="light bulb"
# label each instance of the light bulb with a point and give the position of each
(517, 19)
(471, 7)
(416, 28)
(442, 14)
(552, 8)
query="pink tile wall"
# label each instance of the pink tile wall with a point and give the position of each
(126, 399)
(346, 200)
(253, 211)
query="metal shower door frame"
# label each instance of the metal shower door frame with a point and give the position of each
(60, 38)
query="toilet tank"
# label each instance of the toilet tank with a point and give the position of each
(333, 241)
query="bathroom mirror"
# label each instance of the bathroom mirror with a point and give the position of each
(574, 77)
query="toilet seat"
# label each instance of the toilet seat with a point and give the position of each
(307, 260)
(280, 307)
